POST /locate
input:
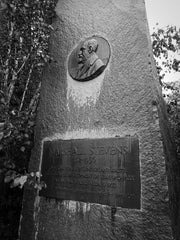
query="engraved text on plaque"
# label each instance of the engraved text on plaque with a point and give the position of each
(104, 171)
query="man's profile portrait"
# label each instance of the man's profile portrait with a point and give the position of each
(89, 60)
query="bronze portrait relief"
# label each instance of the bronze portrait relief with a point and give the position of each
(89, 59)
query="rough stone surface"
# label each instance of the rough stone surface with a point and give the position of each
(118, 102)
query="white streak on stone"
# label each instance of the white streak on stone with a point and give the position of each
(19, 230)
(90, 134)
(84, 93)
(80, 134)
(36, 214)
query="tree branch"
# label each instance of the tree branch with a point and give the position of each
(23, 64)
(35, 98)
(7, 67)
(26, 87)
(12, 83)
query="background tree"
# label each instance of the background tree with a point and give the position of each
(24, 32)
(166, 50)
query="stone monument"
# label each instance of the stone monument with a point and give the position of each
(99, 135)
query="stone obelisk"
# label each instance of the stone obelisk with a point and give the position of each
(99, 130)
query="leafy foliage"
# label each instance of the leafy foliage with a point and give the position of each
(24, 32)
(166, 46)
(166, 49)
(173, 109)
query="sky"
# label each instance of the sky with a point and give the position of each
(164, 12)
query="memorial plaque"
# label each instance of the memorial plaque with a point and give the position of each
(104, 171)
